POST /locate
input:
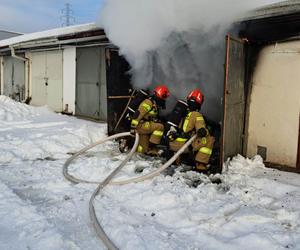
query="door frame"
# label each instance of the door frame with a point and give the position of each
(228, 39)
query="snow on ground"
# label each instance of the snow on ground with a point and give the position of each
(253, 208)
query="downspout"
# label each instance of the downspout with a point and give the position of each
(25, 59)
(13, 54)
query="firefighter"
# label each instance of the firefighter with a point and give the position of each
(194, 123)
(145, 121)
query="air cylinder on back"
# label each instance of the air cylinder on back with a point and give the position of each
(179, 112)
(134, 104)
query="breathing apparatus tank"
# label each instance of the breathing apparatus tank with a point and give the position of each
(179, 112)
(136, 101)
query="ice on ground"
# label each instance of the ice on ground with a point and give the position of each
(253, 208)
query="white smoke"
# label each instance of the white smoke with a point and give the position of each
(179, 43)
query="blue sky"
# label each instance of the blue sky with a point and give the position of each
(35, 15)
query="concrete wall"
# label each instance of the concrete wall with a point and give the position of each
(69, 78)
(275, 104)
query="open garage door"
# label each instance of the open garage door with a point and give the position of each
(234, 98)
(118, 90)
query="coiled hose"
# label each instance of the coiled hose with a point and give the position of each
(99, 230)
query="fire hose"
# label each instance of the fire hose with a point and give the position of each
(108, 180)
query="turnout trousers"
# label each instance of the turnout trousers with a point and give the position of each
(202, 147)
(150, 132)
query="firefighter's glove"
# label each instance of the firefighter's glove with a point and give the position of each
(173, 136)
(132, 131)
(171, 130)
(202, 132)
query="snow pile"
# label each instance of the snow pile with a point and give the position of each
(10, 110)
(33, 128)
(253, 208)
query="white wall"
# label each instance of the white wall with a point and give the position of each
(275, 104)
(69, 78)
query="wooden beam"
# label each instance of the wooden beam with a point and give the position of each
(120, 97)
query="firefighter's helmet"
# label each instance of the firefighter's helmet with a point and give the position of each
(161, 92)
(195, 99)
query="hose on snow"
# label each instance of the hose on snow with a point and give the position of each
(127, 181)
(108, 180)
(97, 226)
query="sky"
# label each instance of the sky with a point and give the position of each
(35, 15)
(27, 16)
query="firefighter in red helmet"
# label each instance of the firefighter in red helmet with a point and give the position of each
(191, 124)
(145, 120)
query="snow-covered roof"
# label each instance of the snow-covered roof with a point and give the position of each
(50, 33)
(12, 32)
(4, 34)
(277, 9)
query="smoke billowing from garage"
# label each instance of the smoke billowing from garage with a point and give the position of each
(174, 42)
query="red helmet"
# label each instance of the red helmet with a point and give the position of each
(196, 96)
(161, 92)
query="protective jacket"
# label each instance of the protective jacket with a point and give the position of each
(202, 146)
(146, 123)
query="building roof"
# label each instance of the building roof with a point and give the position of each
(11, 32)
(277, 9)
(53, 33)
(4, 34)
(272, 23)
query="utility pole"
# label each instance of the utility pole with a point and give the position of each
(67, 15)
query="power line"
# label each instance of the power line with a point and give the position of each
(67, 15)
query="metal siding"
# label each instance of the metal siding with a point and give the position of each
(234, 99)
(19, 78)
(54, 77)
(47, 79)
(7, 75)
(38, 72)
(1, 75)
(14, 78)
(69, 78)
(103, 88)
(88, 82)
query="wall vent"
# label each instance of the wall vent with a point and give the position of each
(262, 151)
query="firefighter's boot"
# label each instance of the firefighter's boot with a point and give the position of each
(201, 167)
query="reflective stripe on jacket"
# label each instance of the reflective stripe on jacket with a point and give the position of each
(193, 121)
(147, 111)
